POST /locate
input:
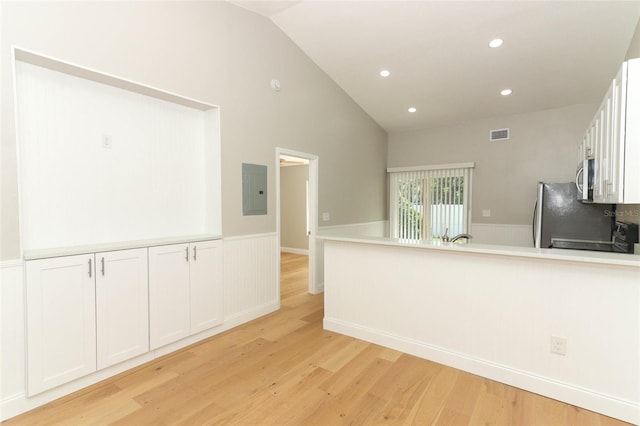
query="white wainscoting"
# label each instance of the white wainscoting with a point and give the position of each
(502, 234)
(12, 345)
(251, 290)
(251, 277)
(366, 229)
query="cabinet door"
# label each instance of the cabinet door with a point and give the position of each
(597, 155)
(206, 285)
(617, 134)
(122, 303)
(61, 321)
(169, 318)
(606, 146)
(632, 135)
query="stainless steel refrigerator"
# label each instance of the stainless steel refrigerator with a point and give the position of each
(560, 220)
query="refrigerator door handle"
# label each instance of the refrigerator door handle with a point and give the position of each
(533, 223)
(537, 218)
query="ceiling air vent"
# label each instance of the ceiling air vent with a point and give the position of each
(499, 135)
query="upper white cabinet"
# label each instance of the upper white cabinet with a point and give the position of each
(624, 174)
(61, 320)
(613, 139)
(185, 284)
(122, 305)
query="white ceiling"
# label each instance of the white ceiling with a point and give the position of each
(555, 53)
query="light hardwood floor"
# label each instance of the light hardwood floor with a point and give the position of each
(285, 369)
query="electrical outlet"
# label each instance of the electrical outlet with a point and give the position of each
(558, 345)
(326, 217)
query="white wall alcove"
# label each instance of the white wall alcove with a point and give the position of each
(102, 159)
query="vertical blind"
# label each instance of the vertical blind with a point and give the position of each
(430, 202)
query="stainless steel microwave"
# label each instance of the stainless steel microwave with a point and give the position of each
(585, 177)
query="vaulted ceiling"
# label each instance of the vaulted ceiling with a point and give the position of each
(555, 53)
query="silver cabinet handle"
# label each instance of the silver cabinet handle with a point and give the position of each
(194, 252)
(102, 266)
(186, 257)
(89, 268)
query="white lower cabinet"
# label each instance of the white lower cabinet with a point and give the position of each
(122, 305)
(205, 276)
(168, 294)
(185, 290)
(84, 313)
(61, 321)
(91, 311)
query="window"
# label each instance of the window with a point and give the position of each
(427, 203)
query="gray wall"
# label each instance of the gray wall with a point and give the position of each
(542, 147)
(220, 54)
(293, 208)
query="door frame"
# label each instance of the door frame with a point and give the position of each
(313, 212)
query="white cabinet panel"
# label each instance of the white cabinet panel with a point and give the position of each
(185, 290)
(61, 321)
(169, 294)
(605, 163)
(122, 302)
(618, 125)
(613, 139)
(206, 285)
(632, 146)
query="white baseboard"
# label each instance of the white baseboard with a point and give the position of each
(319, 288)
(614, 407)
(293, 250)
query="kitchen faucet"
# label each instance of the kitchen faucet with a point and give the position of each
(459, 236)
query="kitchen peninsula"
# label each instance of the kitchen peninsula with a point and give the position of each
(495, 310)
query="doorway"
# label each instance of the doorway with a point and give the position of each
(307, 206)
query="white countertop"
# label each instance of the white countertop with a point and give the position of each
(124, 245)
(621, 259)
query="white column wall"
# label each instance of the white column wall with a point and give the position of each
(494, 316)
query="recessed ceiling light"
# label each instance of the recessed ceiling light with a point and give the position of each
(385, 73)
(496, 42)
(412, 110)
(505, 92)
